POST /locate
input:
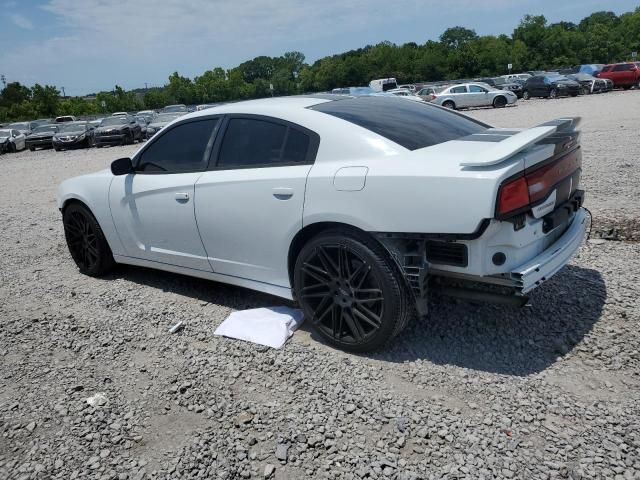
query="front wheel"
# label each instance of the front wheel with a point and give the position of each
(553, 93)
(32, 149)
(499, 102)
(526, 95)
(87, 244)
(350, 290)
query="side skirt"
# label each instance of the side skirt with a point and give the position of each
(282, 292)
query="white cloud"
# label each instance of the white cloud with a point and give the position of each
(21, 21)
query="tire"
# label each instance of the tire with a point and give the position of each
(525, 95)
(553, 93)
(12, 148)
(585, 91)
(351, 290)
(499, 102)
(57, 149)
(626, 87)
(449, 104)
(86, 241)
(32, 149)
(98, 146)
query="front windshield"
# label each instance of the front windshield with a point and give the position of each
(165, 117)
(45, 128)
(73, 127)
(19, 126)
(499, 81)
(114, 121)
(5, 133)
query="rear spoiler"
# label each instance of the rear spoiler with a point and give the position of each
(514, 144)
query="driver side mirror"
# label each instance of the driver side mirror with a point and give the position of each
(121, 166)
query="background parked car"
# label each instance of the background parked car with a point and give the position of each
(121, 130)
(74, 135)
(180, 108)
(503, 84)
(625, 75)
(160, 121)
(551, 85)
(40, 122)
(404, 93)
(589, 83)
(143, 122)
(22, 127)
(66, 118)
(469, 95)
(12, 140)
(428, 93)
(41, 137)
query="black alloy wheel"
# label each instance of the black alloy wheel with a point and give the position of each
(553, 93)
(526, 95)
(348, 287)
(86, 242)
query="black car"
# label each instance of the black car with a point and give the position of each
(550, 86)
(119, 130)
(503, 84)
(41, 137)
(73, 135)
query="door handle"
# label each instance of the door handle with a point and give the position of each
(182, 197)
(283, 193)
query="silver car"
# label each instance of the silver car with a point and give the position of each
(468, 95)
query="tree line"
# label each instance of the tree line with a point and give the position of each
(535, 44)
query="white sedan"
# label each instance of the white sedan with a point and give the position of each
(468, 95)
(350, 205)
(12, 140)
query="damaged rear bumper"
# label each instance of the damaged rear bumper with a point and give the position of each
(539, 269)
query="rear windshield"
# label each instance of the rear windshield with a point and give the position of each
(412, 125)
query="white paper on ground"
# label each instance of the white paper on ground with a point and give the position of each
(265, 326)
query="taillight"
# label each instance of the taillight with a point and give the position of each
(517, 194)
(513, 196)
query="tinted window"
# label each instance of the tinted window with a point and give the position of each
(412, 125)
(606, 69)
(458, 90)
(181, 149)
(623, 67)
(476, 89)
(250, 142)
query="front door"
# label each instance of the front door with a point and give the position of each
(249, 207)
(153, 208)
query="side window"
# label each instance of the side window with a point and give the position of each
(181, 149)
(606, 69)
(250, 142)
(461, 89)
(476, 89)
(623, 67)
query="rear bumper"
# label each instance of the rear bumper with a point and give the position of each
(538, 270)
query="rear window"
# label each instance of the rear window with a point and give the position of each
(412, 125)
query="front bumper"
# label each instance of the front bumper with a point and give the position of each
(539, 269)
(75, 143)
(39, 142)
(115, 139)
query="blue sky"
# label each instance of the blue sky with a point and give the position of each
(91, 45)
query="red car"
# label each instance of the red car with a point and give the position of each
(625, 75)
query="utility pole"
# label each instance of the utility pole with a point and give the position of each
(145, 86)
(64, 95)
(3, 79)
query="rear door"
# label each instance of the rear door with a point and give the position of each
(460, 96)
(249, 204)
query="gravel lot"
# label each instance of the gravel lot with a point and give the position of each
(479, 392)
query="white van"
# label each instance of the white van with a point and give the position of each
(383, 84)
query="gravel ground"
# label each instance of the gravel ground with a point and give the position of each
(479, 392)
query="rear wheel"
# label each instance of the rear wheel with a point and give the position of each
(525, 95)
(449, 104)
(350, 290)
(86, 242)
(586, 91)
(499, 102)
(33, 149)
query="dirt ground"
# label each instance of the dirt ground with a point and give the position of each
(548, 391)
